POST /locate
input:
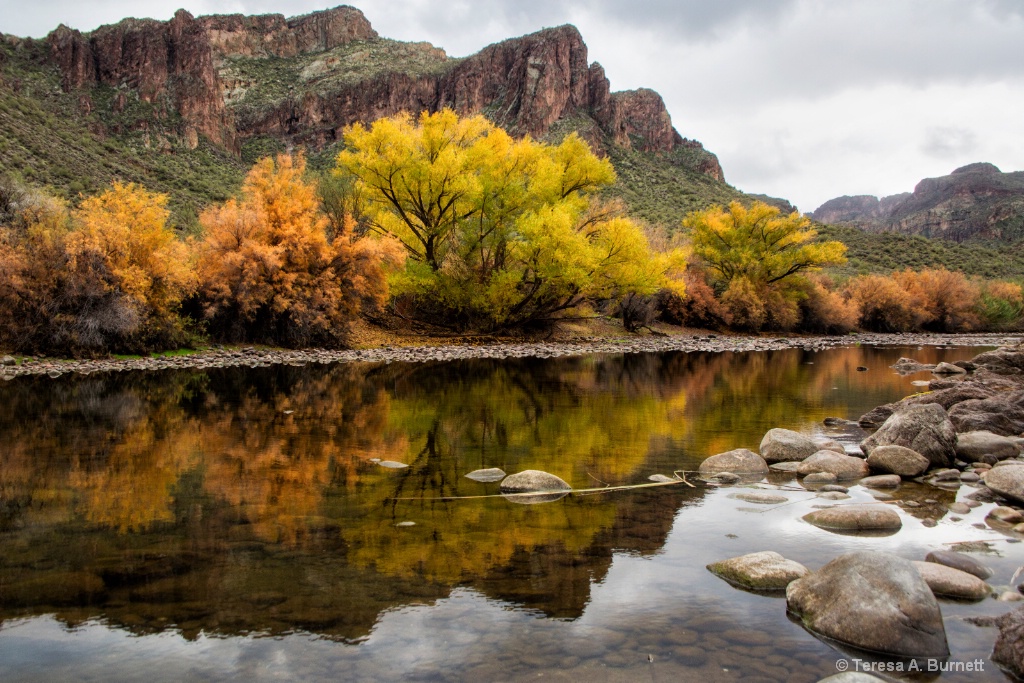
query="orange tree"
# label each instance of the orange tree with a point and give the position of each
(269, 272)
(500, 232)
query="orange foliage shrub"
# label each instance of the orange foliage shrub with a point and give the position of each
(111, 279)
(745, 305)
(824, 310)
(697, 308)
(948, 299)
(884, 305)
(269, 273)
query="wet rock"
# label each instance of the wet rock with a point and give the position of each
(533, 481)
(923, 428)
(834, 495)
(662, 479)
(738, 461)
(898, 460)
(825, 478)
(488, 475)
(830, 445)
(944, 475)
(872, 601)
(1002, 414)
(874, 418)
(959, 508)
(972, 446)
(843, 466)
(948, 582)
(833, 488)
(784, 466)
(725, 478)
(881, 481)
(909, 365)
(853, 518)
(964, 563)
(1009, 648)
(969, 477)
(785, 445)
(948, 369)
(763, 571)
(1005, 481)
(1006, 514)
(760, 498)
(391, 464)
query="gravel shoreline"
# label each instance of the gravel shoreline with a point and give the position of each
(253, 357)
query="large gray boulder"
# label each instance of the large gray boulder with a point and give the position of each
(922, 428)
(785, 445)
(843, 466)
(763, 571)
(1007, 481)
(872, 601)
(739, 461)
(952, 583)
(1001, 414)
(855, 518)
(1002, 361)
(973, 446)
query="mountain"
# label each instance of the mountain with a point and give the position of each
(185, 106)
(974, 202)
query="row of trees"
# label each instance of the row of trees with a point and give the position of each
(454, 223)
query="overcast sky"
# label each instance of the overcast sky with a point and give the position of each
(802, 99)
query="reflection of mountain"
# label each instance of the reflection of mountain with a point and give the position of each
(242, 501)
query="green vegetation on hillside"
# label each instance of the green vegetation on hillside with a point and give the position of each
(885, 252)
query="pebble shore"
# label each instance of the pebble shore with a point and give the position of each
(258, 357)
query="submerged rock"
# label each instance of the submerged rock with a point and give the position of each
(898, 460)
(872, 601)
(785, 445)
(853, 518)
(760, 498)
(922, 428)
(738, 461)
(952, 583)
(763, 571)
(662, 479)
(391, 464)
(488, 475)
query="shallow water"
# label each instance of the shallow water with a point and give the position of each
(234, 525)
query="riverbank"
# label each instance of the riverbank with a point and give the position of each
(476, 348)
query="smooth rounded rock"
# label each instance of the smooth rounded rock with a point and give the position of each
(882, 481)
(533, 481)
(763, 571)
(898, 460)
(760, 498)
(853, 518)
(1006, 514)
(830, 445)
(948, 582)
(738, 461)
(964, 563)
(662, 479)
(925, 428)
(391, 464)
(785, 445)
(843, 466)
(824, 478)
(972, 446)
(1007, 482)
(488, 475)
(872, 601)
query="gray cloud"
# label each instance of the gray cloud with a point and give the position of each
(949, 142)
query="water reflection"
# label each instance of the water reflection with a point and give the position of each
(249, 501)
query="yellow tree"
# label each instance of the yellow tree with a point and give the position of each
(752, 255)
(269, 272)
(500, 232)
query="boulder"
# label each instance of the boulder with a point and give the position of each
(909, 365)
(488, 475)
(854, 518)
(952, 583)
(1001, 414)
(964, 563)
(948, 369)
(843, 466)
(871, 601)
(739, 461)
(815, 478)
(1009, 648)
(881, 481)
(874, 418)
(533, 481)
(830, 445)
(973, 446)
(922, 428)
(784, 445)
(763, 571)
(1006, 515)
(1003, 361)
(898, 460)
(1007, 482)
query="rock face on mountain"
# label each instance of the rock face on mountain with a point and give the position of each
(974, 201)
(233, 78)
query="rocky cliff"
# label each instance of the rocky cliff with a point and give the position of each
(235, 78)
(976, 201)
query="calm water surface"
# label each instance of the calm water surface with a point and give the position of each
(235, 525)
